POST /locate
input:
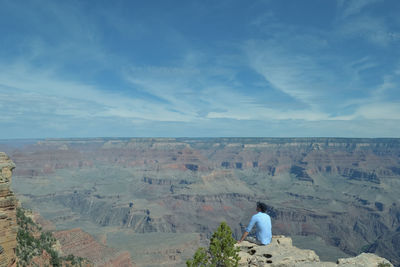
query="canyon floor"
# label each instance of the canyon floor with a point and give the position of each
(159, 199)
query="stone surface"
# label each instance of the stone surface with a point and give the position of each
(364, 259)
(8, 220)
(281, 253)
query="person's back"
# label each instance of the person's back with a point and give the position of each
(263, 223)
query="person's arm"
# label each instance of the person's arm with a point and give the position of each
(248, 229)
(243, 236)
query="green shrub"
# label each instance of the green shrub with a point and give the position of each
(28, 246)
(221, 252)
(200, 258)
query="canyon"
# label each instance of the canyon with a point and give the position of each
(161, 198)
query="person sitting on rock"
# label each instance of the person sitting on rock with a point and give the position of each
(263, 222)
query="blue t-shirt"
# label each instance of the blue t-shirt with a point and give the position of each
(263, 223)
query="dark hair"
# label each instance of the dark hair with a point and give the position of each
(262, 206)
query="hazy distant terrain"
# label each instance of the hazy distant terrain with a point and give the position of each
(161, 198)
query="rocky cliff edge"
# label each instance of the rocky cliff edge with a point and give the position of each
(8, 222)
(281, 253)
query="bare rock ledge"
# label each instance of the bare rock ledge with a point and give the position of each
(281, 253)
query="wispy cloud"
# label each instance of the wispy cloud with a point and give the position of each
(28, 91)
(358, 20)
(290, 74)
(194, 92)
(353, 7)
(372, 29)
(380, 110)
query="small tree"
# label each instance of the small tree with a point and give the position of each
(221, 252)
(200, 259)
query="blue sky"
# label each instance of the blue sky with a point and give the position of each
(199, 68)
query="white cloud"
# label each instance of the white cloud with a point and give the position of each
(372, 29)
(192, 92)
(266, 114)
(390, 83)
(382, 110)
(43, 92)
(356, 19)
(300, 76)
(353, 7)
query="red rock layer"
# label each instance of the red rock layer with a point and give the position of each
(81, 244)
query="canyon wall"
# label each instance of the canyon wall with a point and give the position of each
(81, 244)
(70, 242)
(8, 221)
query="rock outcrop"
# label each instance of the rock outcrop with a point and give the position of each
(281, 253)
(8, 221)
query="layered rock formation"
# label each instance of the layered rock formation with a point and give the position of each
(281, 253)
(71, 242)
(8, 221)
(81, 244)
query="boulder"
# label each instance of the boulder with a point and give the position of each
(281, 253)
